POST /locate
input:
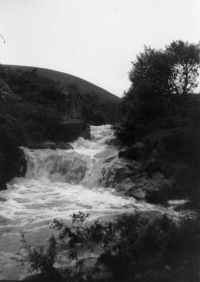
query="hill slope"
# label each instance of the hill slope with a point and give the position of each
(65, 79)
(42, 98)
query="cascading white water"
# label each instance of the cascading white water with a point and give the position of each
(58, 183)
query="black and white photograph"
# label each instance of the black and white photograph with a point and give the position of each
(100, 140)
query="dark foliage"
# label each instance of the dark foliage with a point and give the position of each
(12, 161)
(160, 111)
(159, 96)
(134, 248)
(39, 86)
(184, 59)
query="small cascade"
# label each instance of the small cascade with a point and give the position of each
(60, 182)
(56, 166)
(82, 165)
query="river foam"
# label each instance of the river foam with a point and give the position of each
(60, 182)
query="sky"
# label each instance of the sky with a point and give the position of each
(93, 39)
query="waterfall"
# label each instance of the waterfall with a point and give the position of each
(60, 182)
(77, 166)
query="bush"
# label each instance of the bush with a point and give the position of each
(134, 248)
(41, 259)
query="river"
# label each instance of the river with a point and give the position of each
(57, 184)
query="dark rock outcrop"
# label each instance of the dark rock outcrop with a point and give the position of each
(68, 131)
(12, 159)
(50, 145)
(134, 152)
(152, 170)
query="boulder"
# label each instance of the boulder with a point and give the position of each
(150, 188)
(120, 173)
(138, 194)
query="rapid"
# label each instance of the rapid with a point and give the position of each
(57, 184)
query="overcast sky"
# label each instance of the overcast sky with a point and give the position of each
(93, 39)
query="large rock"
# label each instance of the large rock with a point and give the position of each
(149, 187)
(118, 173)
(131, 178)
(68, 131)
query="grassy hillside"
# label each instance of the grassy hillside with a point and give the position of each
(65, 79)
(79, 99)
(40, 98)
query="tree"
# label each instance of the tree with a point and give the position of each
(156, 76)
(151, 71)
(185, 62)
(146, 100)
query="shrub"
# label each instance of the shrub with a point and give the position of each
(134, 247)
(40, 259)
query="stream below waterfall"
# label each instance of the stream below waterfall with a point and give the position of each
(57, 184)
